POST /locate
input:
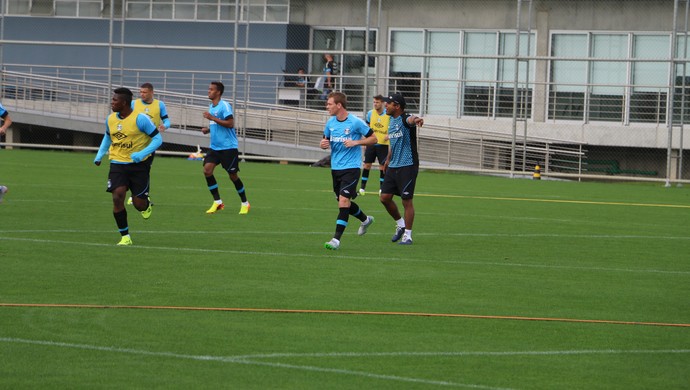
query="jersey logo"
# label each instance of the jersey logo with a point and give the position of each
(119, 135)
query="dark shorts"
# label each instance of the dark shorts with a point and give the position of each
(134, 177)
(228, 158)
(345, 182)
(375, 152)
(400, 181)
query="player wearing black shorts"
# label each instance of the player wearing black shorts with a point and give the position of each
(130, 139)
(223, 148)
(401, 166)
(378, 122)
(344, 133)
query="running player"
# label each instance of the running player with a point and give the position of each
(130, 139)
(343, 133)
(223, 147)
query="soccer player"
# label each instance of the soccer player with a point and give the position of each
(223, 147)
(6, 122)
(155, 109)
(344, 133)
(129, 139)
(401, 166)
(378, 120)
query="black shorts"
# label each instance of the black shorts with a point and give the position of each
(134, 177)
(345, 182)
(400, 181)
(228, 158)
(376, 152)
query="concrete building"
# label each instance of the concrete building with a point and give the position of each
(607, 74)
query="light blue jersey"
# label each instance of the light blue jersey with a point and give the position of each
(222, 138)
(337, 132)
(3, 112)
(403, 137)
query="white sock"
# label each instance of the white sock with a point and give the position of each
(245, 203)
(219, 201)
(401, 222)
(408, 233)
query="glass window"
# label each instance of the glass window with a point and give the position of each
(116, 6)
(443, 89)
(184, 11)
(252, 10)
(649, 79)
(90, 8)
(405, 72)
(139, 10)
(506, 70)
(41, 7)
(608, 78)
(480, 73)
(66, 8)
(18, 7)
(207, 12)
(162, 11)
(568, 78)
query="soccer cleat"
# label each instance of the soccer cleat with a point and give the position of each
(146, 214)
(362, 191)
(125, 240)
(365, 225)
(129, 201)
(215, 207)
(406, 240)
(245, 209)
(3, 191)
(398, 233)
(333, 244)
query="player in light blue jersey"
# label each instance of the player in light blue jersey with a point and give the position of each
(343, 133)
(223, 147)
(6, 122)
(401, 166)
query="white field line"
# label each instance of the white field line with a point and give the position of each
(330, 255)
(246, 361)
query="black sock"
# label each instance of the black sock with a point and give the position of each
(121, 221)
(365, 178)
(356, 212)
(381, 175)
(240, 189)
(341, 223)
(213, 187)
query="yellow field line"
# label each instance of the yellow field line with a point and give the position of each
(351, 312)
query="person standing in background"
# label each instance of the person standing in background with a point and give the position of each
(156, 111)
(378, 120)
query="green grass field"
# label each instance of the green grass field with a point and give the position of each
(510, 283)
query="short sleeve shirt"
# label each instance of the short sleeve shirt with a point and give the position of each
(337, 132)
